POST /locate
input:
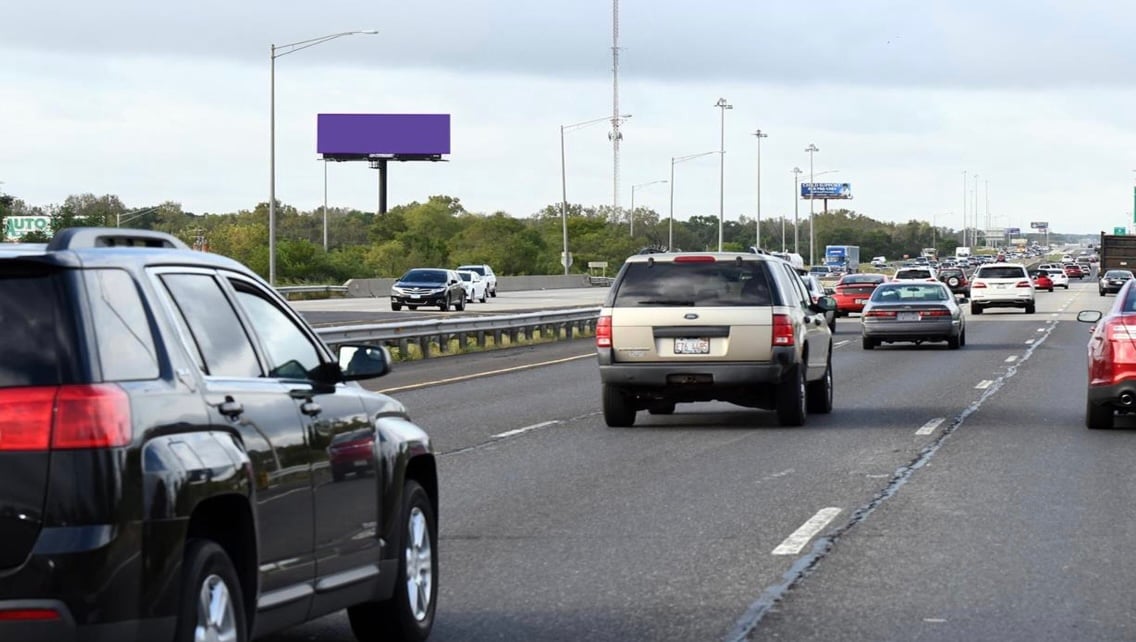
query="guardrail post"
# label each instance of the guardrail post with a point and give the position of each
(481, 339)
(424, 347)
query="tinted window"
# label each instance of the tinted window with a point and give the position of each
(861, 278)
(213, 325)
(35, 339)
(474, 268)
(725, 283)
(425, 276)
(465, 276)
(290, 352)
(1118, 274)
(126, 345)
(1001, 272)
(913, 274)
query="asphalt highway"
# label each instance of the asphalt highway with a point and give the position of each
(951, 495)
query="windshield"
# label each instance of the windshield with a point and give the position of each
(425, 276)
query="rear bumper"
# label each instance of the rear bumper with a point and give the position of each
(64, 629)
(672, 374)
(911, 330)
(1115, 395)
(1002, 301)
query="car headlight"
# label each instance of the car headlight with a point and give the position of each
(397, 290)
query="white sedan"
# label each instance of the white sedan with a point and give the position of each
(1059, 278)
(475, 287)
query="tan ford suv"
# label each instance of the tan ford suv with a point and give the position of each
(687, 327)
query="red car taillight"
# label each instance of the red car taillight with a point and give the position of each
(72, 416)
(1117, 360)
(935, 313)
(1022, 284)
(28, 615)
(603, 332)
(882, 314)
(978, 284)
(783, 334)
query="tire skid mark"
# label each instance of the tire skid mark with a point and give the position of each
(803, 566)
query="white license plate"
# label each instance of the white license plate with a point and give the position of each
(861, 301)
(690, 345)
(1000, 286)
(361, 464)
(907, 316)
(416, 296)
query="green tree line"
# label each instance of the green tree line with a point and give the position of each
(441, 232)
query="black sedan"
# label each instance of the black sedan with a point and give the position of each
(913, 311)
(428, 286)
(1113, 280)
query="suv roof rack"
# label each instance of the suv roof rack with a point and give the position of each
(74, 238)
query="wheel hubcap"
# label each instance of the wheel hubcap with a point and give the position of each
(216, 619)
(419, 564)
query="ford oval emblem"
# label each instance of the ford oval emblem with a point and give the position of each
(690, 316)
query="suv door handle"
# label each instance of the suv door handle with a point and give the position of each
(230, 408)
(310, 408)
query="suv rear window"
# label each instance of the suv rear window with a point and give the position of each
(720, 283)
(1000, 272)
(37, 336)
(913, 274)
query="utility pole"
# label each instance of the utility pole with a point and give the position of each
(723, 105)
(759, 135)
(796, 206)
(812, 197)
(616, 120)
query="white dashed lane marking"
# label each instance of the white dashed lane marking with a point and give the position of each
(800, 537)
(984, 384)
(930, 426)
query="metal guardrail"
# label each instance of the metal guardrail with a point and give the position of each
(603, 281)
(438, 334)
(310, 289)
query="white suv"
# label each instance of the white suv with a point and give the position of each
(1005, 285)
(689, 327)
(486, 273)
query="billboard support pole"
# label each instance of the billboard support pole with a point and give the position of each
(381, 165)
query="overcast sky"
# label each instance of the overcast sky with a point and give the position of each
(153, 103)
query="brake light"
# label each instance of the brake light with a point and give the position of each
(73, 416)
(1118, 361)
(882, 314)
(783, 334)
(28, 615)
(978, 284)
(935, 313)
(603, 332)
(699, 258)
(1022, 284)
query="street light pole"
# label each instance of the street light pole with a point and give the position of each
(675, 160)
(796, 207)
(812, 197)
(631, 216)
(964, 199)
(759, 135)
(723, 105)
(564, 180)
(325, 205)
(289, 48)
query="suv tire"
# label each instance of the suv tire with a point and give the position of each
(617, 410)
(1030, 308)
(396, 307)
(403, 616)
(975, 308)
(867, 343)
(818, 396)
(791, 397)
(460, 305)
(209, 580)
(1098, 417)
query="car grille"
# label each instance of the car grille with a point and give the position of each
(419, 290)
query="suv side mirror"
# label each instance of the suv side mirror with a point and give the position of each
(824, 304)
(1089, 316)
(358, 362)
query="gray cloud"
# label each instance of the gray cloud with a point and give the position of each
(868, 43)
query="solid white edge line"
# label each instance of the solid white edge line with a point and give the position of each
(424, 384)
(984, 384)
(511, 433)
(930, 426)
(841, 343)
(1029, 341)
(800, 537)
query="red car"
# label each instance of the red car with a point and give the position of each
(1112, 360)
(1074, 270)
(1041, 280)
(852, 291)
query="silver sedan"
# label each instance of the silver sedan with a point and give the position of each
(913, 311)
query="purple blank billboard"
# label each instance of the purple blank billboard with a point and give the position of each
(394, 134)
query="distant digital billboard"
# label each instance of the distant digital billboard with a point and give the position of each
(383, 134)
(1039, 225)
(826, 190)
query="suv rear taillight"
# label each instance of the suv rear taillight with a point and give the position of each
(64, 417)
(603, 332)
(978, 284)
(783, 334)
(1023, 284)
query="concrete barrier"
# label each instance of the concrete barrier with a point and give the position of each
(362, 288)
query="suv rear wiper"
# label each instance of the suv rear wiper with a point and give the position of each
(666, 302)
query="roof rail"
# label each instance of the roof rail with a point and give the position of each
(74, 238)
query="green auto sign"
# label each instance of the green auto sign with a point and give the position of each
(17, 226)
(1119, 231)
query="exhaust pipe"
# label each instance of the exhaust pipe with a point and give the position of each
(1127, 399)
